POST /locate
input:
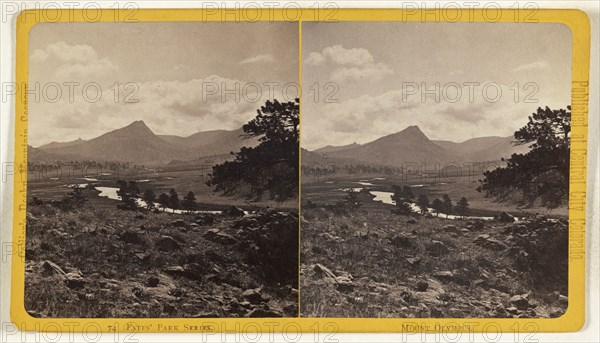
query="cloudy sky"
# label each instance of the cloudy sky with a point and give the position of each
(371, 78)
(171, 75)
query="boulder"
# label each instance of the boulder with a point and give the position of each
(450, 229)
(520, 302)
(404, 242)
(437, 248)
(413, 260)
(206, 219)
(254, 296)
(321, 270)
(264, 313)
(74, 280)
(478, 225)
(493, 244)
(52, 268)
(179, 223)
(506, 218)
(444, 276)
(131, 237)
(152, 281)
(422, 286)
(489, 243)
(234, 211)
(167, 243)
(174, 270)
(344, 284)
(217, 236)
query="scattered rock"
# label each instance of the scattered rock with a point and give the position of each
(445, 275)
(264, 313)
(254, 296)
(174, 270)
(478, 225)
(234, 211)
(563, 300)
(206, 219)
(505, 218)
(216, 235)
(520, 302)
(489, 243)
(179, 223)
(344, 284)
(404, 242)
(58, 232)
(413, 260)
(450, 229)
(152, 281)
(422, 286)
(167, 243)
(437, 248)
(132, 237)
(321, 270)
(74, 280)
(513, 310)
(51, 267)
(411, 221)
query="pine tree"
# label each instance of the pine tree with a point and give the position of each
(447, 205)
(173, 200)
(423, 203)
(462, 206)
(163, 200)
(149, 198)
(189, 202)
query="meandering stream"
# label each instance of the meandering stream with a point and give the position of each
(111, 193)
(386, 198)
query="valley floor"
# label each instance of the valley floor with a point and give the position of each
(379, 264)
(123, 264)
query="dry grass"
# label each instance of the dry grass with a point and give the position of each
(116, 267)
(360, 244)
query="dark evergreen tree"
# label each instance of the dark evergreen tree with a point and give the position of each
(543, 172)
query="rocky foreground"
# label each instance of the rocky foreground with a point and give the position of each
(382, 265)
(113, 263)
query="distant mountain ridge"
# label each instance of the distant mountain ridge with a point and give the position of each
(137, 143)
(411, 145)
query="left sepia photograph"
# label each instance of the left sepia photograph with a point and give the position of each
(162, 175)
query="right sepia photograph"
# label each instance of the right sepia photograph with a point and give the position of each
(435, 170)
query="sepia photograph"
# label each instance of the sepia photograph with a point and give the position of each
(435, 170)
(163, 170)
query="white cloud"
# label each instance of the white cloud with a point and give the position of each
(92, 68)
(354, 64)
(73, 62)
(315, 59)
(267, 58)
(39, 56)
(350, 57)
(367, 72)
(66, 53)
(532, 66)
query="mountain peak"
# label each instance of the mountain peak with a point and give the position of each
(137, 126)
(412, 128)
(137, 123)
(411, 132)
